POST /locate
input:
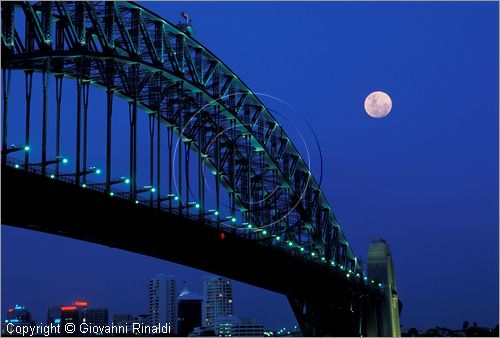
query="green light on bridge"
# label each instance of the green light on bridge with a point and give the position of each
(16, 166)
(26, 148)
(176, 198)
(84, 185)
(136, 202)
(127, 181)
(313, 254)
(264, 232)
(290, 244)
(153, 189)
(249, 226)
(197, 205)
(52, 176)
(302, 249)
(348, 275)
(216, 213)
(278, 238)
(98, 171)
(65, 160)
(111, 194)
(233, 219)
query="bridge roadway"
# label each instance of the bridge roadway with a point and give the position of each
(39, 203)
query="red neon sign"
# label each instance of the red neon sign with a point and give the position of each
(68, 308)
(11, 310)
(222, 236)
(81, 303)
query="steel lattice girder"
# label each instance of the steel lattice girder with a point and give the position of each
(122, 46)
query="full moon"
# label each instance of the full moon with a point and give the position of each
(378, 104)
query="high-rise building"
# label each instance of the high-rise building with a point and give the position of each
(233, 326)
(16, 316)
(189, 312)
(71, 314)
(162, 291)
(54, 315)
(218, 299)
(97, 316)
(381, 268)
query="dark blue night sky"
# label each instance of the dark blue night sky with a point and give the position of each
(425, 178)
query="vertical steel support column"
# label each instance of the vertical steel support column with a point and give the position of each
(158, 160)
(133, 148)
(217, 167)
(6, 77)
(29, 87)
(151, 158)
(187, 156)
(109, 114)
(45, 88)
(78, 127)
(86, 90)
(249, 178)
(180, 168)
(59, 84)
(170, 139)
(201, 177)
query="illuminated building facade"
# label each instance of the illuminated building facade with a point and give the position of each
(218, 294)
(163, 301)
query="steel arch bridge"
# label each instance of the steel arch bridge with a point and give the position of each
(194, 104)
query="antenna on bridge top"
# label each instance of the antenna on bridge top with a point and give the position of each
(186, 16)
(186, 26)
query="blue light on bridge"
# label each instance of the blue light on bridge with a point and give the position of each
(52, 176)
(64, 160)
(380, 285)
(197, 205)
(333, 263)
(98, 171)
(153, 189)
(365, 278)
(302, 249)
(176, 198)
(111, 194)
(127, 181)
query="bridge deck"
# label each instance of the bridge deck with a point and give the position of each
(39, 203)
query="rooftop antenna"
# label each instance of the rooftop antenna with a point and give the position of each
(186, 16)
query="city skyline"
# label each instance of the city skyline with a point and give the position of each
(161, 283)
(424, 177)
